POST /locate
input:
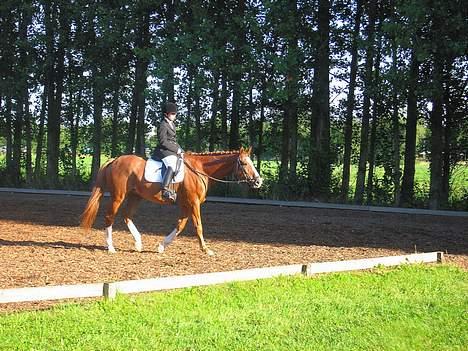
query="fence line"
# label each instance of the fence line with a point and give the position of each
(109, 290)
(303, 204)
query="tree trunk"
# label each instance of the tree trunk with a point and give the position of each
(132, 121)
(141, 82)
(437, 132)
(40, 134)
(292, 89)
(237, 72)
(188, 118)
(234, 142)
(449, 119)
(319, 171)
(7, 76)
(348, 129)
(214, 111)
(55, 95)
(17, 135)
(396, 174)
(223, 110)
(260, 126)
(74, 133)
(284, 166)
(251, 126)
(9, 137)
(28, 136)
(364, 144)
(98, 102)
(407, 183)
(197, 112)
(375, 119)
(115, 117)
(171, 30)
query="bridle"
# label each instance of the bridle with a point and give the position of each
(248, 179)
(239, 164)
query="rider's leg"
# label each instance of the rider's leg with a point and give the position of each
(167, 193)
(170, 162)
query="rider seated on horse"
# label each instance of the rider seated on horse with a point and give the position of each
(168, 149)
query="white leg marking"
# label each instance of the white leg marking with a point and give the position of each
(136, 235)
(110, 245)
(167, 240)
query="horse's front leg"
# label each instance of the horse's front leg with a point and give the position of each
(177, 230)
(197, 223)
(135, 233)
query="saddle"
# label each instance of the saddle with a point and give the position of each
(155, 169)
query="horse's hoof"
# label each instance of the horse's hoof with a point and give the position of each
(139, 247)
(161, 248)
(210, 252)
(111, 250)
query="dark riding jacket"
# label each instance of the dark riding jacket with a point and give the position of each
(167, 141)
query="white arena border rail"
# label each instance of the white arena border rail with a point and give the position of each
(245, 201)
(110, 290)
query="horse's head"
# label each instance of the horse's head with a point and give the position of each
(246, 170)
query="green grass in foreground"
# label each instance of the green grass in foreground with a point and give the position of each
(407, 308)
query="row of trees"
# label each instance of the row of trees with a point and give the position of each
(312, 84)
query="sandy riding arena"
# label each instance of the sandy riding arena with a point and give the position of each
(42, 244)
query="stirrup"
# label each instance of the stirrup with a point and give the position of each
(168, 194)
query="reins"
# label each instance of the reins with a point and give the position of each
(213, 178)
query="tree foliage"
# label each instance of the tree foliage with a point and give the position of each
(313, 86)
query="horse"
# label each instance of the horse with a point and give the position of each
(124, 178)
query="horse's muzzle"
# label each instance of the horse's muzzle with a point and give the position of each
(257, 183)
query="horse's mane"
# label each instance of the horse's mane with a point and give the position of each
(213, 153)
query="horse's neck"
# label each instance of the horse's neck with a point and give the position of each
(218, 166)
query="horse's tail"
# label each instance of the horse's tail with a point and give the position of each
(89, 214)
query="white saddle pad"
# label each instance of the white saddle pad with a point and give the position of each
(153, 172)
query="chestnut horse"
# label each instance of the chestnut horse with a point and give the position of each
(123, 177)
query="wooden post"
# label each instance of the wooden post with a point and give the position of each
(109, 291)
(440, 257)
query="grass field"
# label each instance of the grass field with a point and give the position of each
(459, 179)
(407, 308)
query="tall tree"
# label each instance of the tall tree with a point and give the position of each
(292, 85)
(407, 184)
(237, 71)
(376, 111)
(350, 102)
(364, 142)
(396, 175)
(57, 29)
(141, 73)
(319, 168)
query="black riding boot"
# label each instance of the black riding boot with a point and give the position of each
(167, 193)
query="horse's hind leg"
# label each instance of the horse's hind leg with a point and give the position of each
(132, 202)
(112, 209)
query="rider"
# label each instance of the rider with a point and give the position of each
(168, 149)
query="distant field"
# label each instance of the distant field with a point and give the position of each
(407, 308)
(459, 179)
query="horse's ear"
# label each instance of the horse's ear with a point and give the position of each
(242, 150)
(249, 150)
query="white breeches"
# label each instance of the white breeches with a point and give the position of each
(170, 161)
